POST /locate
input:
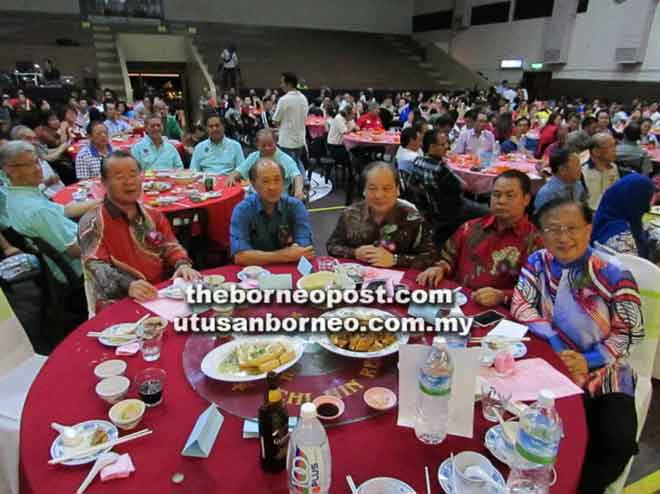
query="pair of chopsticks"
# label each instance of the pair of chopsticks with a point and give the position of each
(478, 339)
(100, 447)
(101, 334)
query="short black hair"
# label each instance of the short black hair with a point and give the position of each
(118, 154)
(380, 164)
(408, 134)
(444, 120)
(587, 121)
(92, 124)
(208, 116)
(523, 179)
(633, 132)
(558, 158)
(602, 111)
(473, 113)
(431, 138)
(524, 119)
(290, 78)
(252, 174)
(559, 202)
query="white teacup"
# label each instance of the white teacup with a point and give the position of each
(469, 485)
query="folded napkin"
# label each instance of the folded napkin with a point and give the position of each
(129, 349)
(120, 469)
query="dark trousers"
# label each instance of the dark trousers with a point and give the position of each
(299, 155)
(612, 425)
(229, 79)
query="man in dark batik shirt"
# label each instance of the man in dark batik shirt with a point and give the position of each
(383, 230)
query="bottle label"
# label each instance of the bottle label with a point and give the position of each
(435, 385)
(535, 449)
(308, 475)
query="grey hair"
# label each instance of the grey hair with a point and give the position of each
(17, 132)
(264, 132)
(254, 171)
(10, 151)
(598, 138)
(578, 141)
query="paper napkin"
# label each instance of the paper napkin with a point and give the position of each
(276, 282)
(120, 469)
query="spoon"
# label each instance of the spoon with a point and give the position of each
(475, 472)
(70, 436)
(102, 461)
(505, 429)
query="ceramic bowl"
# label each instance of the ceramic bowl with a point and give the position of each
(113, 389)
(127, 414)
(110, 368)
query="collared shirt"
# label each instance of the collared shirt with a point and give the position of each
(117, 251)
(254, 229)
(291, 113)
(556, 188)
(369, 121)
(116, 127)
(338, 127)
(88, 162)
(404, 233)
(150, 157)
(82, 122)
(631, 155)
(291, 170)
(405, 158)
(469, 143)
(222, 158)
(598, 182)
(48, 172)
(481, 255)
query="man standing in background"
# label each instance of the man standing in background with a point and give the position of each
(290, 117)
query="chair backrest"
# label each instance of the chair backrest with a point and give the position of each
(44, 251)
(90, 294)
(15, 344)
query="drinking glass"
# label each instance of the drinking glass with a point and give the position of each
(150, 384)
(493, 402)
(150, 333)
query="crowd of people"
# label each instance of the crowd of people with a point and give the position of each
(536, 254)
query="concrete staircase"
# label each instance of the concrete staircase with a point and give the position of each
(108, 66)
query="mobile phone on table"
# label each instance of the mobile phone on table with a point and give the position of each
(487, 318)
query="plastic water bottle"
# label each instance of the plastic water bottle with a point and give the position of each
(485, 154)
(537, 444)
(308, 460)
(434, 390)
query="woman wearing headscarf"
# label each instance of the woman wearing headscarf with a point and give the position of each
(618, 220)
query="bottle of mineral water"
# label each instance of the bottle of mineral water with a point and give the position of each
(537, 444)
(308, 461)
(434, 390)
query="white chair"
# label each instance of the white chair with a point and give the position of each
(19, 365)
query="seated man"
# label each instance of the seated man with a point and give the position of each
(486, 254)
(171, 127)
(589, 311)
(382, 230)
(29, 212)
(477, 139)
(266, 148)
(217, 154)
(566, 178)
(128, 247)
(630, 156)
(410, 148)
(153, 152)
(268, 227)
(114, 123)
(371, 119)
(600, 172)
(89, 159)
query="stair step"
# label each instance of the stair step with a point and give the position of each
(425, 65)
(99, 29)
(104, 45)
(118, 88)
(107, 56)
(109, 74)
(415, 58)
(108, 65)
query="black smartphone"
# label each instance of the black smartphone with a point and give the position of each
(487, 318)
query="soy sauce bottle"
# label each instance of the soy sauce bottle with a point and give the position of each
(273, 427)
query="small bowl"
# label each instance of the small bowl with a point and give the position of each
(253, 272)
(152, 327)
(110, 368)
(113, 389)
(214, 280)
(127, 414)
(380, 398)
(329, 400)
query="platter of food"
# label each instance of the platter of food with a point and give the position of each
(251, 358)
(90, 433)
(362, 344)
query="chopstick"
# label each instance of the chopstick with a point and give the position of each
(351, 484)
(94, 334)
(498, 338)
(428, 480)
(100, 447)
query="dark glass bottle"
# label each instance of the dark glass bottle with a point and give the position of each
(273, 427)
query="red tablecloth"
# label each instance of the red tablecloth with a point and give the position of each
(390, 140)
(654, 153)
(316, 126)
(219, 209)
(125, 144)
(64, 392)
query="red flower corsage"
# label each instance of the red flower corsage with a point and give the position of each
(155, 238)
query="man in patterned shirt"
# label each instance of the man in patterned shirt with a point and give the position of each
(88, 160)
(486, 254)
(383, 230)
(126, 246)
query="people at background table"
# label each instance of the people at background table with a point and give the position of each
(50, 132)
(266, 148)
(600, 171)
(504, 133)
(486, 254)
(561, 137)
(88, 160)
(128, 247)
(153, 151)
(371, 120)
(82, 116)
(116, 126)
(218, 154)
(573, 122)
(548, 133)
(290, 117)
(343, 123)
(383, 230)
(648, 138)
(171, 128)
(603, 122)
(526, 144)
(565, 181)
(447, 124)
(630, 156)
(270, 227)
(618, 219)
(410, 148)
(29, 211)
(477, 139)
(124, 111)
(590, 126)
(589, 311)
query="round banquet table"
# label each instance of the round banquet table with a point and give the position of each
(316, 126)
(481, 181)
(365, 138)
(219, 209)
(123, 143)
(64, 392)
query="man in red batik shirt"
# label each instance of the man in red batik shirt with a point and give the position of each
(486, 254)
(126, 246)
(371, 120)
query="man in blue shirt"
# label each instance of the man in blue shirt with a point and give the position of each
(116, 126)
(266, 148)
(266, 227)
(153, 152)
(566, 178)
(217, 154)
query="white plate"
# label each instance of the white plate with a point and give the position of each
(362, 312)
(460, 299)
(445, 475)
(117, 329)
(499, 446)
(385, 485)
(244, 277)
(213, 359)
(57, 449)
(655, 210)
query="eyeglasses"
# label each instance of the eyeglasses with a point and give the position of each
(557, 231)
